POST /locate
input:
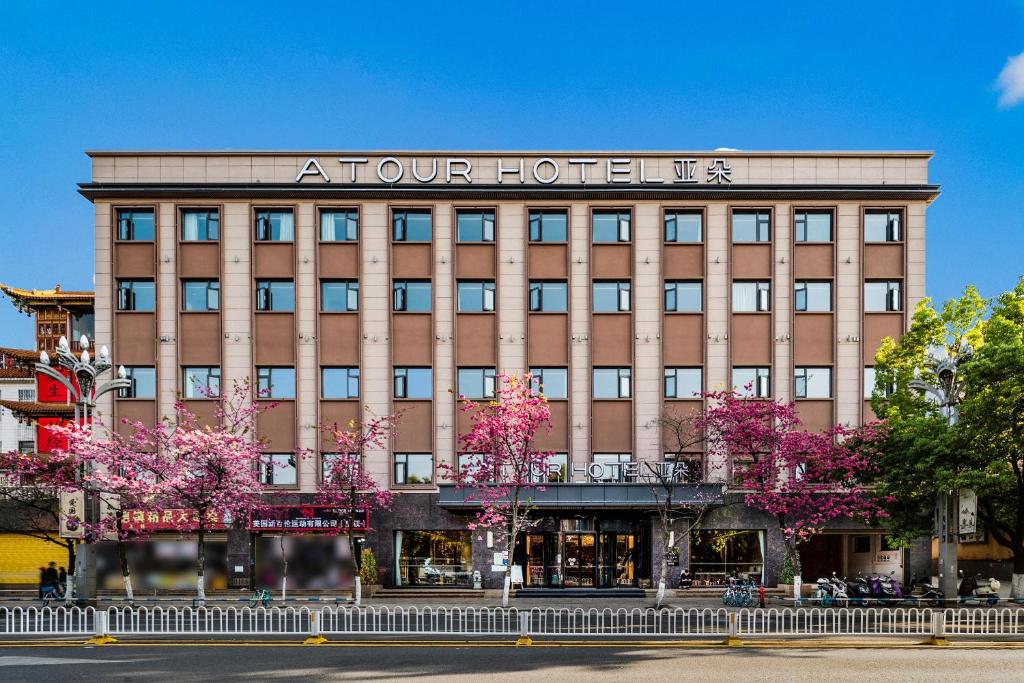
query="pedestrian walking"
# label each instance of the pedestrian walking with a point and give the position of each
(62, 581)
(50, 576)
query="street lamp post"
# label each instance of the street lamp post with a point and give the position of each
(946, 390)
(81, 384)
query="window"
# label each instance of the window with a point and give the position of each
(414, 468)
(339, 383)
(346, 464)
(412, 296)
(813, 297)
(611, 469)
(476, 297)
(470, 466)
(552, 382)
(751, 226)
(883, 226)
(610, 226)
(200, 382)
(339, 295)
(612, 382)
(135, 225)
(611, 297)
(476, 382)
(200, 225)
(136, 295)
(716, 555)
(684, 297)
(813, 226)
(752, 382)
(684, 226)
(83, 323)
(143, 382)
(28, 446)
(275, 382)
(751, 297)
(275, 225)
(862, 544)
(275, 295)
(26, 394)
(414, 383)
(475, 225)
(557, 470)
(881, 297)
(411, 225)
(549, 296)
(339, 225)
(278, 469)
(549, 226)
(200, 295)
(871, 380)
(813, 383)
(683, 382)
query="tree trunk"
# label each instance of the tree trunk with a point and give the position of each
(357, 583)
(506, 584)
(69, 588)
(284, 573)
(122, 558)
(666, 535)
(1017, 582)
(200, 564)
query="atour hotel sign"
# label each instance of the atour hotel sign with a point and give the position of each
(539, 170)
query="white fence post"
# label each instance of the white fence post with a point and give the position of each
(939, 628)
(524, 630)
(733, 637)
(316, 636)
(101, 629)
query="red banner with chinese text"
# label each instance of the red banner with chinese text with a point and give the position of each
(46, 440)
(171, 520)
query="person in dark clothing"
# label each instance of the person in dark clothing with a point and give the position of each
(50, 576)
(62, 581)
(685, 580)
(42, 581)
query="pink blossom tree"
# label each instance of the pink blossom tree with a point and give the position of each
(508, 466)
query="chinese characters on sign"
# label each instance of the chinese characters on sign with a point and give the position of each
(72, 505)
(968, 517)
(171, 520)
(307, 518)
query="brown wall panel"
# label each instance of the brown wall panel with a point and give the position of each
(684, 261)
(201, 333)
(136, 338)
(134, 259)
(683, 339)
(277, 426)
(548, 261)
(813, 339)
(339, 339)
(751, 339)
(199, 260)
(474, 261)
(813, 261)
(612, 430)
(751, 261)
(683, 440)
(611, 339)
(558, 438)
(878, 326)
(548, 339)
(339, 261)
(611, 261)
(883, 260)
(410, 261)
(136, 411)
(474, 339)
(816, 416)
(412, 339)
(204, 410)
(274, 339)
(339, 413)
(415, 427)
(273, 260)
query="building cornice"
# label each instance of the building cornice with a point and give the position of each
(728, 153)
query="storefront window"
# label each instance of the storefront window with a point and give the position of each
(434, 558)
(716, 555)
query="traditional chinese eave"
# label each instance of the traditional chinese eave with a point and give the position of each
(31, 300)
(17, 372)
(28, 411)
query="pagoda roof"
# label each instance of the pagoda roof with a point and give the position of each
(26, 300)
(34, 409)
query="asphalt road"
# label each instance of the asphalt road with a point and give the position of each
(482, 663)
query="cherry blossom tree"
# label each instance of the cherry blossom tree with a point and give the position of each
(508, 468)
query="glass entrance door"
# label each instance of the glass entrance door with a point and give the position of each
(579, 560)
(535, 560)
(618, 560)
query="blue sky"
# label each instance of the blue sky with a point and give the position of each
(868, 75)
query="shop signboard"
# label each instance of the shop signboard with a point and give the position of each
(72, 507)
(968, 512)
(172, 520)
(308, 518)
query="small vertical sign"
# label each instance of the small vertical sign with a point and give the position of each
(72, 509)
(967, 507)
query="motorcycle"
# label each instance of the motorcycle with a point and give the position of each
(922, 591)
(830, 591)
(859, 591)
(975, 588)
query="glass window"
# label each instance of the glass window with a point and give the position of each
(27, 446)
(871, 379)
(611, 297)
(83, 323)
(143, 381)
(752, 382)
(412, 225)
(275, 225)
(476, 297)
(414, 468)
(434, 558)
(200, 382)
(339, 383)
(813, 383)
(200, 225)
(813, 296)
(136, 295)
(813, 226)
(475, 225)
(275, 295)
(339, 295)
(610, 467)
(683, 382)
(549, 296)
(552, 382)
(549, 226)
(29, 394)
(612, 382)
(883, 226)
(135, 225)
(346, 464)
(200, 295)
(476, 382)
(413, 383)
(751, 297)
(751, 226)
(278, 469)
(412, 296)
(717, 555)
(557, 471)
(684, 226)
(339, 225)
(275, 382)
(881, 297)
(610, 226)
(684, 297)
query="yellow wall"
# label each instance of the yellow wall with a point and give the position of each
(976, 551)
(22, 556)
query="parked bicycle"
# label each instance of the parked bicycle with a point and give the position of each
(739, 594)
(260, 597)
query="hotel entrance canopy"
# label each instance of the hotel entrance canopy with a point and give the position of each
(594, 495)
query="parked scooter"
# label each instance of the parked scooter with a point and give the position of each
(859, 591)
(830, 592)
(892, 592)
(922, 591)
(974, 588)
